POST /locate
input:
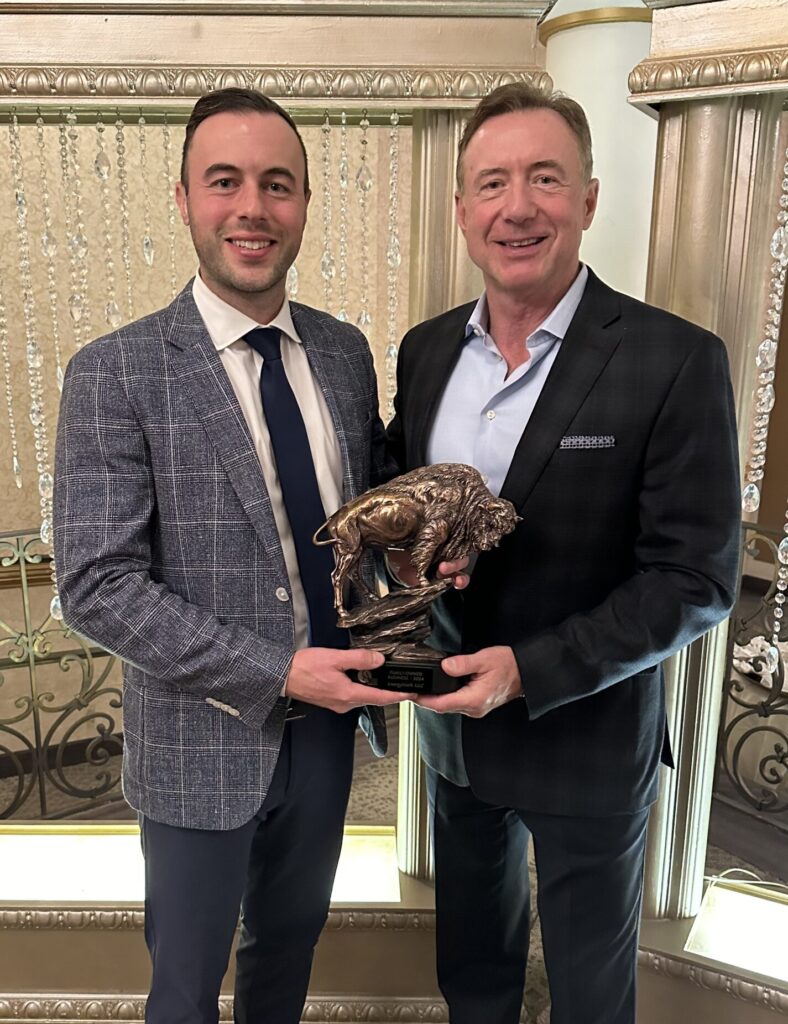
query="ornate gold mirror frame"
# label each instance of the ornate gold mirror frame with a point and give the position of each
(431, 60)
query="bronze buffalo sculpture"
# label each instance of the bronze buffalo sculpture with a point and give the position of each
(437, 513)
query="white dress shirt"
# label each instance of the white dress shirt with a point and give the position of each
(227, 327)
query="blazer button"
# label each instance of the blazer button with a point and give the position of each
(282, 594)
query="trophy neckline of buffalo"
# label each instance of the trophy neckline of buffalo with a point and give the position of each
(438, 513)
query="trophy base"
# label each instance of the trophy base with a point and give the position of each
(418, 677)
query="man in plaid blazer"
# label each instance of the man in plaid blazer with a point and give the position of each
(177, 550)
(609, 424)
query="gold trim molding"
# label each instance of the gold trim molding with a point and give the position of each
(345, 8)
(714, 980)
(132, 1008)
(677, 78)
(597, 16)
(133, 919)
(319, 85)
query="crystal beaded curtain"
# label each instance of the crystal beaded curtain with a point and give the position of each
(92, 239)
(763, 403)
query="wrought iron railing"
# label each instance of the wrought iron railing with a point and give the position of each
(60, 719)
(60, 698)
(753, 742)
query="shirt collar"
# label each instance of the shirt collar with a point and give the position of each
(556, 323)
(226, 324)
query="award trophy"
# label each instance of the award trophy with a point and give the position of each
(438, 513)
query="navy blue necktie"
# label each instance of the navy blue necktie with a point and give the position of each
(299, 488)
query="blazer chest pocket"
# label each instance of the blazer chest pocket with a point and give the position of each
(586, 442)
(595, 455)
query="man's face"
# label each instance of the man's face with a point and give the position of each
(524, 205)
(245, 207)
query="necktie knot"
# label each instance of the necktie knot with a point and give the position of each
(266, 341)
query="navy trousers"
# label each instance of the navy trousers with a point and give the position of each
(278, 869)
(590, 885)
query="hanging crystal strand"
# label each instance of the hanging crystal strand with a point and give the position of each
(765, 360)
(34, 355)
(49, 249)
(16, 467)
(773, 652)
(169, 184)
(364, 182)
(292, 283)
(148, 247)
(78, 241)
(103, 169)
(67, 192)
(344, 174)
(123, 191)
(766, 357)
(393, 260)
(327, 268)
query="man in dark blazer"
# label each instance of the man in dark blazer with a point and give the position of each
(198, 451)
(610, 426)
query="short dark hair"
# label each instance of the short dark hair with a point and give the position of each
(232, 101)
(514, 96)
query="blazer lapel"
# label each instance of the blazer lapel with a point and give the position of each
(592, 338)
(201, 374)
(444, 351)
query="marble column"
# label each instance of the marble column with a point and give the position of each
(719, 166)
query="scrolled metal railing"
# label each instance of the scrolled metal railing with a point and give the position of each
(60, 710)
(753, 744)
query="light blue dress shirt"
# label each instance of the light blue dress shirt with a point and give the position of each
(480, 419)
(482, 413)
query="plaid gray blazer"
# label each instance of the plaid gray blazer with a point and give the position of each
(168, 554)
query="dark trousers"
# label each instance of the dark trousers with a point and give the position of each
(278, 869)
(590, 884)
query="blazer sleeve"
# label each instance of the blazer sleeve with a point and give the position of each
(686, 551)
(104, 508)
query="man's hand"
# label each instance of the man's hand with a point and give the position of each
(400, 565)
(317, 676)
(495, 680)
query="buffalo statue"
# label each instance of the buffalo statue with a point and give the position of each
(438, 513)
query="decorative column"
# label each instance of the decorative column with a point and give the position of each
(591, 48)
(679, 822)
(441, 276)
(719, 167)
(720, 155)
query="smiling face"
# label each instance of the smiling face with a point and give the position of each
(245, 207)
(524, 205)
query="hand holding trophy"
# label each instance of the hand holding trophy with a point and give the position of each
(438, 513)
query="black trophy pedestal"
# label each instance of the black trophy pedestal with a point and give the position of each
(417, 677)
(397, 626)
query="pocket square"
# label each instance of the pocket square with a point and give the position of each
(588, 441)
